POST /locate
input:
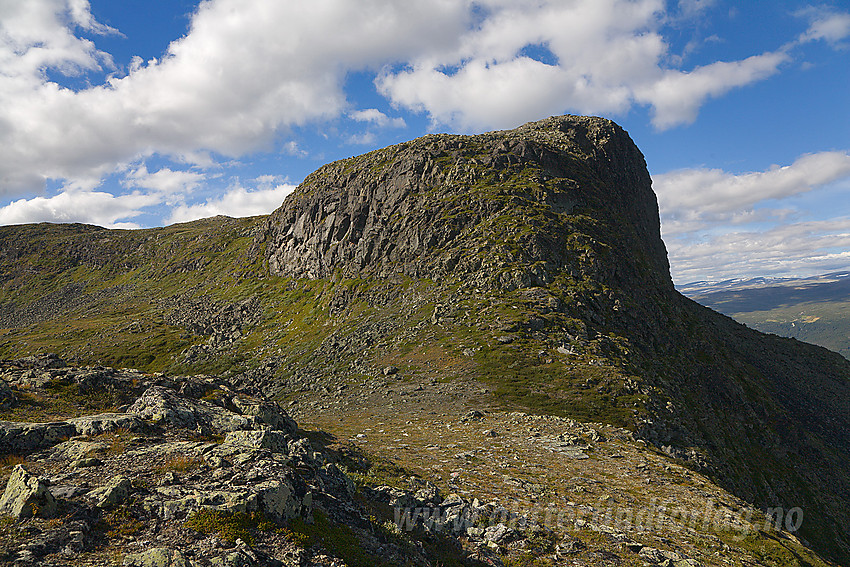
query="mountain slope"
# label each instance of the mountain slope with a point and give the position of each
(519, 269)
(815, 310)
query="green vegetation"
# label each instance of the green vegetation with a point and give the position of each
(339, 540)
(62, 400)
(551, 291)
(230, 526)
(772, 550)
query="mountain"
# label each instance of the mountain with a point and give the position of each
(394, 293)
(814, 309)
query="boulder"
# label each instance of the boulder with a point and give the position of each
(164, 406)
(500, 533)
(274, 441)
(237, 558)
(112, 494)
(269, 413)
(17, 438)
(26, 496)
(7, 396)
(105, 422)
(157, 557)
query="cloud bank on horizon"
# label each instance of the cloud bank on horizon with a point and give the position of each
(252, 95)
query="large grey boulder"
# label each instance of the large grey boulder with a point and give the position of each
(7, 396)
(113, 494)
(164, 406)
(269, 413)
(274, 441)
(27, 496)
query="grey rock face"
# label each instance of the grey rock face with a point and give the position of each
(162, 405)
(27, 437)
(157, 557)
(105, 422)
(20, 438)
(429, 207)
(269, 413)
(114, 493)
(7, 396)
(27, 496)
(275, 441)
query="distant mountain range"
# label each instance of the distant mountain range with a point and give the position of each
(814, 309)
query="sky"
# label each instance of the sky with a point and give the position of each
(142, 113)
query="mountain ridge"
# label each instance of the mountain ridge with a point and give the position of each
(523, 269)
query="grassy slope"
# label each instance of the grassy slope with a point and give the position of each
(135, 281)
(817, 313)
(377, 323)
(822, 323)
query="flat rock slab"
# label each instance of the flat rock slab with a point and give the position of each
(19, 437)
(106, 422)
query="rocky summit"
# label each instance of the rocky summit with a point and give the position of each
(485, 354)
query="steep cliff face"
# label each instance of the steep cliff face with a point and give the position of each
(501, 208)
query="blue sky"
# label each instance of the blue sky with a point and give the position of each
(143, 113)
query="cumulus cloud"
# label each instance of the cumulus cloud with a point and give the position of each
(248, 70)
(826, 25)
(165, 180)
(236, 202)
(692, 199)
(677, 96)
(230, 86)
(805, 248)
(606, 56)
(375, 116)
(90, 207)
(599, 49)
(721, 225)
(165, 188)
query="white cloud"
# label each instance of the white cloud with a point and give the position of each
(37, 35)
(248, 70)
(693, 8)
(237, 202)
(692, 199)
(826, 25)
(721, 225)
(165, 180)
(230, 86)
(293, 149)
(601, 49)
(677, 96)
(609, 55)
(377, 117)
(362, 139)
(81, 15)
(802, 249)
(165, 187)
(90, 207)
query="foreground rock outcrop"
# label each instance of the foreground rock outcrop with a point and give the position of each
(194, 473)
(212, 476)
